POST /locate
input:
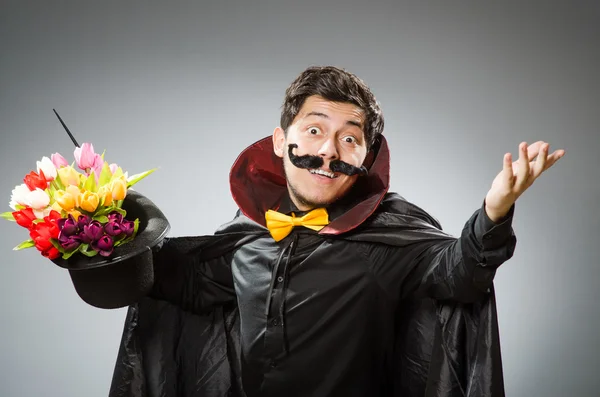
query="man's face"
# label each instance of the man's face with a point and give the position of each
(332, 131)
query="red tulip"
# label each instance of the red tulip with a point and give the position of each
(33, 180)
(42, 232)
(24, 217)
(52, 253)
(53, 217)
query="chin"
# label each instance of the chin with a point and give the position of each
(321, 200)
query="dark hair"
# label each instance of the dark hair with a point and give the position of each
(335, 85)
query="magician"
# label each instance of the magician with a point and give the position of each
(326, 284)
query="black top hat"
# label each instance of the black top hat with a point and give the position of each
(128, 274)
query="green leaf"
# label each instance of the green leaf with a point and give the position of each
(51, 190)
(90, 183)
(119, 209)
(133, 179)
(57, 245)
(87, 250)
(8, 216)
(69, 254)
(57, 183)
(84, 212)
(104, 211)
(117, 174)
(123, 241)
(24, 244)
(105, 175)
(100, 218)
(90, 254)
(120, 240)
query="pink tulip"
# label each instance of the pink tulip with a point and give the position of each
(86, 158)
(58, 160)
(97, 168)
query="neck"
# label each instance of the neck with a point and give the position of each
(301, 205)
(304, 206)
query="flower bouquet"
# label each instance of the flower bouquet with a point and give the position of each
(68, 212)
(91, 223)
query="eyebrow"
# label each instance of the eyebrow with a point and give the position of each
(319, 114)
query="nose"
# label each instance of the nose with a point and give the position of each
(329, 149)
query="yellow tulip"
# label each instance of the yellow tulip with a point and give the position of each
(119, 189)
(75, 192)
(56, 207)
(65, 200)
(89, 201)
(106, 193)
(68, 176)
(75, 213)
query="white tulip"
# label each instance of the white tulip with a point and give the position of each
(47, 166)
(40, 214)
(38, 200)
(19, 196)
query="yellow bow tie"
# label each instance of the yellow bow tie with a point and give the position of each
(280, 225)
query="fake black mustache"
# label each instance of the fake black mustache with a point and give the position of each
(313, 162)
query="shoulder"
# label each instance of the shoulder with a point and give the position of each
(394, 204)
(399, 223)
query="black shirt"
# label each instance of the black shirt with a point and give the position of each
(318, 312)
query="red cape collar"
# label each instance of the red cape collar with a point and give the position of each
(257, 183)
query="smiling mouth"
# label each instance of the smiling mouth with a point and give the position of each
(329, 175)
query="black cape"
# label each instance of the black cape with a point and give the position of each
(173, 346)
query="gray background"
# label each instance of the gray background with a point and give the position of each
(186, 86)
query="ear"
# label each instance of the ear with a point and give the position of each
(279, 142)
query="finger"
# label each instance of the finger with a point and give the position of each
(533, 150)
(540, 163)
(522, 167)
(553, 158)
(507, 167)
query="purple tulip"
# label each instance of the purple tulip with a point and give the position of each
(92, 232)
(104, 245)
(68, 242)
(68, 226)
(83, 220)
(115, 217)
(127, 227)
(61, 222)
(113, 228)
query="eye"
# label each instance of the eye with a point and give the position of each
(314, 130)
(350, 139)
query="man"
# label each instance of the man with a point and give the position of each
(325, 284)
